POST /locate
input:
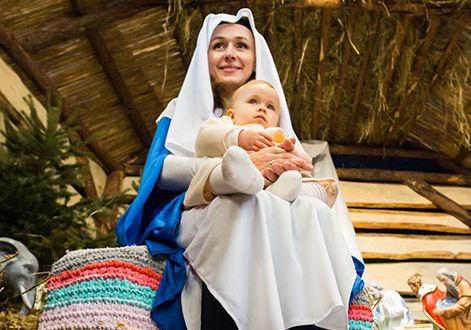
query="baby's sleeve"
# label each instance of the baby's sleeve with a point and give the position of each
(211, 135)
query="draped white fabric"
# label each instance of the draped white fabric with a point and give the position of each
(270, 263)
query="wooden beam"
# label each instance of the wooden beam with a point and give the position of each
(449, 165)
(439, 200)
(338, 149)
(68, 28)
(11, 112)
(418, 68)
(380, 175)
(11, 45)
(362, 74)
(111, 70)
(105, 223)
(342, 75)
(323, 49)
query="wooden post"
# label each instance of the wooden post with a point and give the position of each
(439, 200)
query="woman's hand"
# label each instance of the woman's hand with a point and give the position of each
(253, 140)
(274, 161)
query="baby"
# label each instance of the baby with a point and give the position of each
(250, 124)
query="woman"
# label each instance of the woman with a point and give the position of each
(271, 264)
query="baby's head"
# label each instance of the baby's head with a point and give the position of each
(255, 102)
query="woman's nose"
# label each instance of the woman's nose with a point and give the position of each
(229, 54)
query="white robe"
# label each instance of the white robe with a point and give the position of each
(271, 264)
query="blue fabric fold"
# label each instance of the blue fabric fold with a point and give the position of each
(153, 219)
(359, 284)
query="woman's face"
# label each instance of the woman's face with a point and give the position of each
(231, 56)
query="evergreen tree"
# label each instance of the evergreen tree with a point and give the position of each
(35, 196)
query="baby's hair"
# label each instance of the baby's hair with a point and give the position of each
(247, 84)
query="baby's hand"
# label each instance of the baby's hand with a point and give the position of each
(253, 140)
(287, 144)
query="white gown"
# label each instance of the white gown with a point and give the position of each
(271, 264)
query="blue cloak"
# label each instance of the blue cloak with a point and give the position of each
(153, 219)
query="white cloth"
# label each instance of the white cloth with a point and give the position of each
(195, 101)
(324, 168)
(270, 263)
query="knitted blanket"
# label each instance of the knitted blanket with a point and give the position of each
(114, 288)
(111, 288)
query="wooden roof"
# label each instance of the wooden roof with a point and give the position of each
(381, 75)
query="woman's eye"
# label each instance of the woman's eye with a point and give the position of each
(271, 107)
(242, 45)
(253, 101)
(218, 45)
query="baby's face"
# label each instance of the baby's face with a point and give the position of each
(256, 103)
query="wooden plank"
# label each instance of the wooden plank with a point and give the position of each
(380, 175)
(394, 195)
(416, 309)
(406, 247)
(439, 200)
(394, 275)
(406, 220)
(338, 149)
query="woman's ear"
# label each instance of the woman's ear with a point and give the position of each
(230, 113)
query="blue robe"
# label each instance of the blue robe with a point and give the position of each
(153, 219)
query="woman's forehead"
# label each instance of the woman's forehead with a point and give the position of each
(232, 30)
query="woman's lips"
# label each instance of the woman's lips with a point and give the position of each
(229, 68)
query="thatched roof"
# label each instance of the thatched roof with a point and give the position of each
(391, 74)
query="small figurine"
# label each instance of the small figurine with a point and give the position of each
(457, 314)
(18, 267)
(429, 294)
(390, 310)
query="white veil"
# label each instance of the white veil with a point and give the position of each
(194, 104)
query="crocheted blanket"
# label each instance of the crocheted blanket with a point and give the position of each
(111, 288)
(114, 288)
